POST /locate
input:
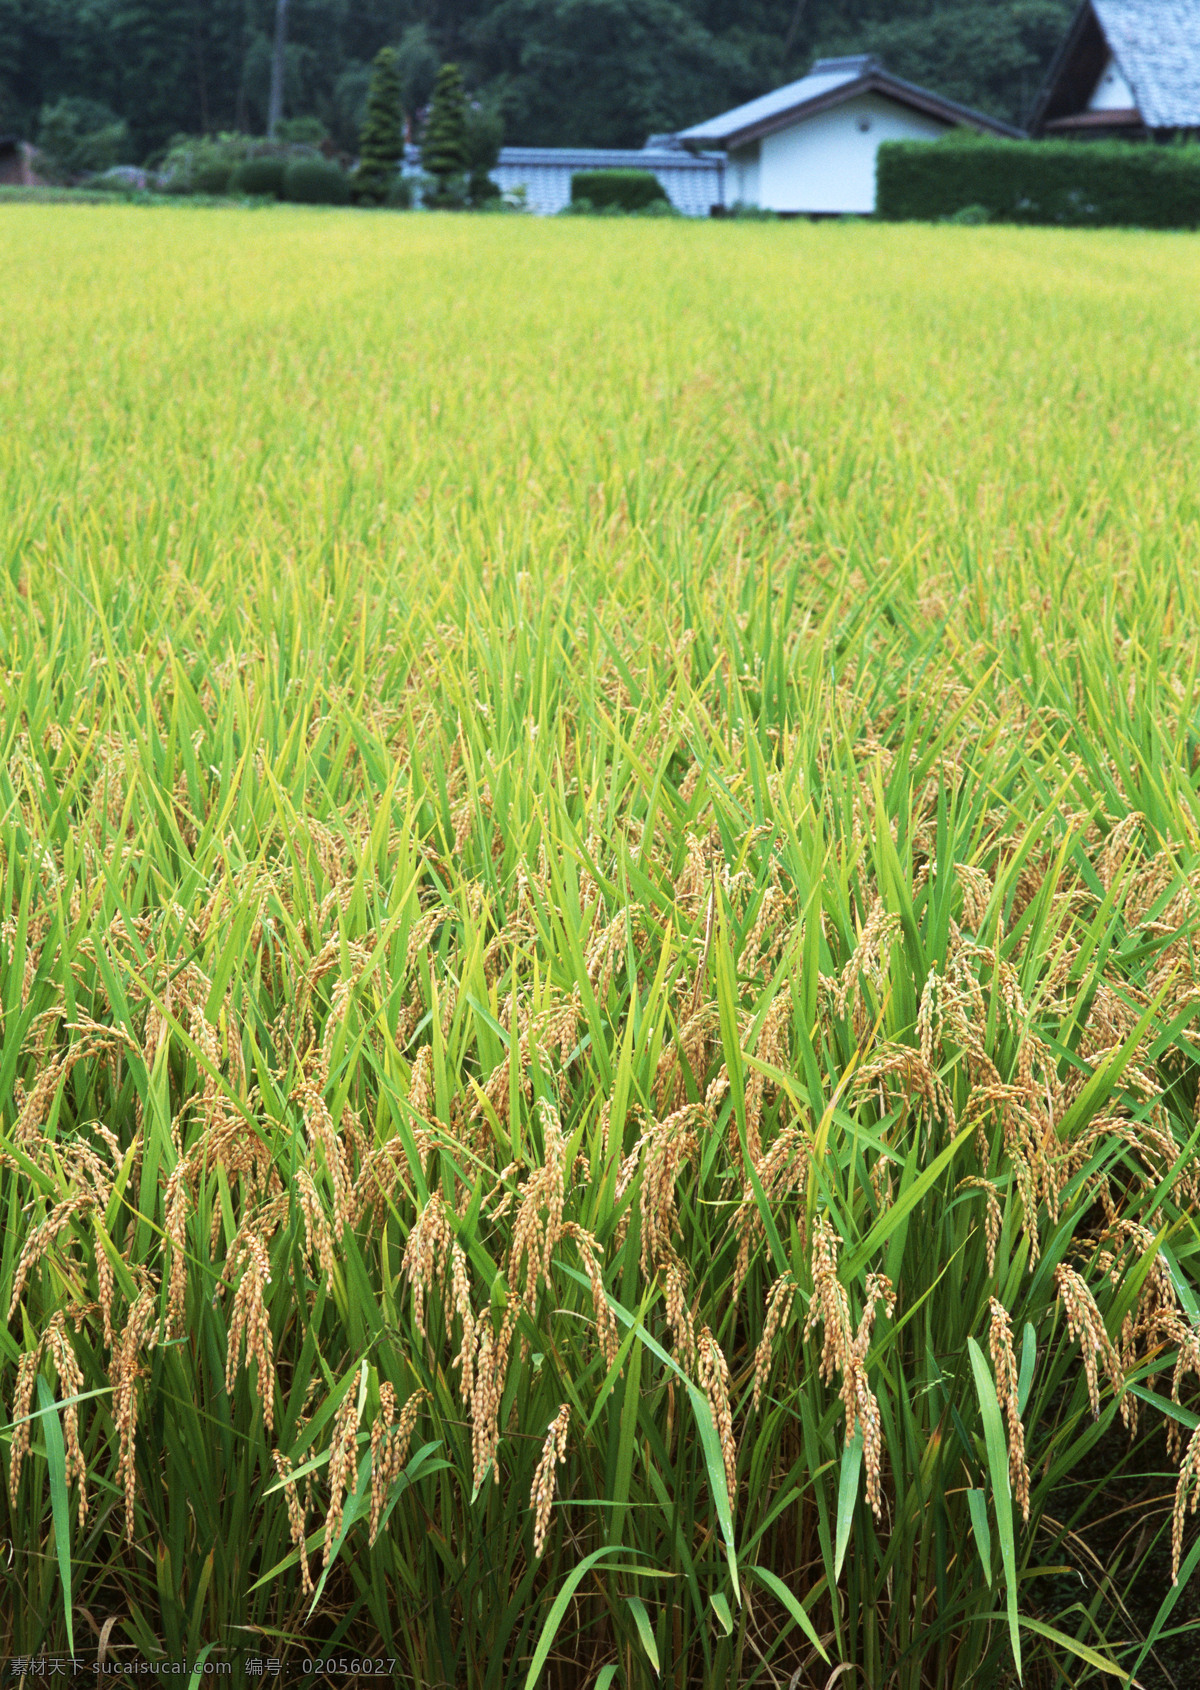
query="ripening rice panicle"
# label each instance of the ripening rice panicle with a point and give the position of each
(670, 1145)
(1004, 1365)
(772, 1047)
(248, 1319)
(539, 1213)
(426, 1250)
(318, 1240)
(296, 1517)
(1187, 1499)
(27, 1369)
(390, 1440)
(43, 1237)
(713, 1372)
(323, 1135)
(606, 1324)
(541, 1496)
(343, 1445)
(844, 1351)
(125, 1372)
(779, 1305)
(830, 1307)
(1085, 1322)
(491, 1371)
(679, 1315)
(994, 1217)
(784, 1168)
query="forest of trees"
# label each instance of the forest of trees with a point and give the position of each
(588, 72)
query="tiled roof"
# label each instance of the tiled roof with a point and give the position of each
(828, 83)
(1156, 44)
(825, 75)
(607, 158)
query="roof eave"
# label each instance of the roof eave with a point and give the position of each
(874, 82)
(1067, 47)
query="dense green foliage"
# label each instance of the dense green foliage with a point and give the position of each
(260, 177)
(582, 72)
(444, 157)
(381, 144)
(77, 136)
(1099, 184)
(481, 145)
(630, 189)
(208, 165)
(582, 844)
(316, 181)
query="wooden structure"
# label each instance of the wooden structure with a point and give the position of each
(1126, 68)
(16, 163)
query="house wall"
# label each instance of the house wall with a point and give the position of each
(1112, 92)
(826, 163)
(741, 176)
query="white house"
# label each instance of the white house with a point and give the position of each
(810, 147)
(1126, 67)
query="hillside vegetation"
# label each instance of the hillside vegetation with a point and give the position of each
(597, 73)
(599, 871)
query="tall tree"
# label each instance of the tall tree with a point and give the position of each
(381, 146)
(444, 142)
(278, 62)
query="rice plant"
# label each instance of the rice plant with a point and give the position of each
(598, 949)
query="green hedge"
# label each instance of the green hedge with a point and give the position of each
(260, 178)
(315, 181)
(630, 190)
(1085, 184)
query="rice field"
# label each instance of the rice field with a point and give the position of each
(600, 852)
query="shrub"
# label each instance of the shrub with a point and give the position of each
(400, 194)
(77, 137)
(204, 164)
(1084, 184)
(630, 190)
(381, 146)
(259, 178)
(483, 140)
(970, 214)
(302, 131)
(444, 144)
(315, 181)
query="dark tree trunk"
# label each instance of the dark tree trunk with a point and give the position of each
(789, 40)
(275, 104)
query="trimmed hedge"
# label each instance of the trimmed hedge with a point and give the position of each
(314, 181)
(628, 190)
(260, 178)
(1083, 184)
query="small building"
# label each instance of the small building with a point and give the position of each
(1125, 68)
(810, 147)
(16, 163)
(692, 181)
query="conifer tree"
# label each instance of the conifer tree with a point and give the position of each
(381, 145)
(484, 138)
(444, 143)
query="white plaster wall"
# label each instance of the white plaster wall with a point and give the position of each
(692, 188)
(826, 163)
(741, 176)
(1112, 92)
(547, 186)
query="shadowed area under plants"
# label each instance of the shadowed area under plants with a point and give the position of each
(599, 1076)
